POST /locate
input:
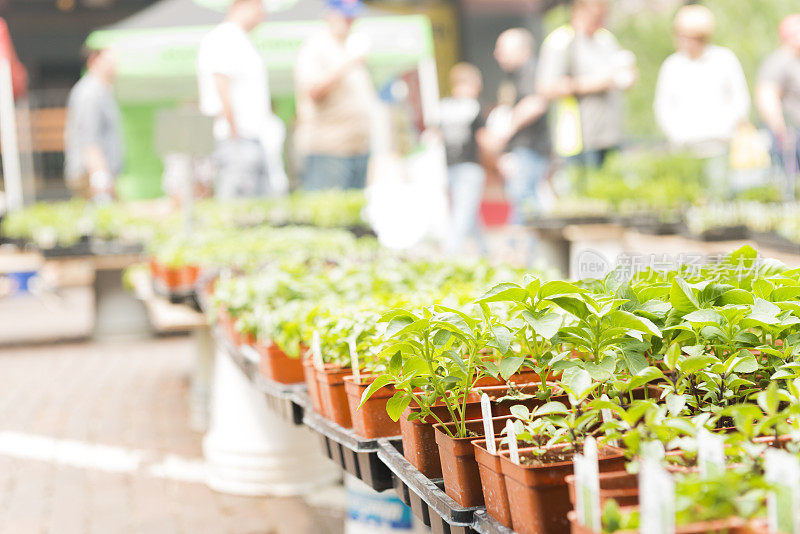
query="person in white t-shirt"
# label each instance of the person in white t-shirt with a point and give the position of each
(234, 89)
(701, 94)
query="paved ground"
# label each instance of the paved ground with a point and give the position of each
(94, 439)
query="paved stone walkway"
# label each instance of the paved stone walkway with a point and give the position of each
(94, 439)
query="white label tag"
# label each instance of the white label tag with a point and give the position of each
(710, 454)
(606, 415)
(587, 486)
(656, 498)
(783, 503)
(488, 426)
(351, 342)
(513, 450)
(316, 351)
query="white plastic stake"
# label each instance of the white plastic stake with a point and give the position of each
(710, 454)
(354, 365)
(783, 503)
(587, 486)
(316, 351)
(513, 450)
(656, 498)
(488, 426)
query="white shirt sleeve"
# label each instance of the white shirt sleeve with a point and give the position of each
(664, 103)
(740, 94)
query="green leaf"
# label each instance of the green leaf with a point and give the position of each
(735, 296)
(510, 365)
(675, 404)
(397, 324)
(505, 292)
(692, 364)
(672, 356)
(378, 383)
(397, 405)
(546, 326)
(396, 364)
(682, 296)
(703, 316)
(551, 408)
(573, 305)
(558, 287)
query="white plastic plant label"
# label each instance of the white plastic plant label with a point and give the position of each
(354, 365)
(513, 450)
(587, 486)
(783, 503)
(606, 415)
(488, 426)
(316, 350)
(710, 454)
(656, 498)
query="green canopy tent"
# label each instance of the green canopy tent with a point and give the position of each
(157, 50)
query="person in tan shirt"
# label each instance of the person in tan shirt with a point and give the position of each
(334, 102)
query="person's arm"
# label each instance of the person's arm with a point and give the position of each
(89, 117)
(664, 102)
(740, 93)
(768, 102)
(223, 85)
(769, 97)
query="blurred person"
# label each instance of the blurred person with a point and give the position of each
(335, 99)
(460, 120)
(701, 95)
(234, 89)
(583, 68)
(518, 128)
(778, 99)
(94, 151)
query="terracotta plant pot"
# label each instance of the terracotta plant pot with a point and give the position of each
(371, 420)
(332, 394)
(462, 479)
(621, 486)
(171, 277)
(310, 378)
(155, 269)
(524, 377)
(245, 338)
(188, 276)
(493, 483)
(277, 366)
(501, 408)
(419, 438)
(538, 496)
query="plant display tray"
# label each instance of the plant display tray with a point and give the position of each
(284, 399)
(720, 233)
(356, 455)
(184, 296)
(486, 524)
(101, 247)
(650, 224)
(82, 248)
(287, 400)
(549, 223)
(424, 496)
(775, 242)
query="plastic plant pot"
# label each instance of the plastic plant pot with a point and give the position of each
(538, 495)
(310, 378)
(419, 438)
(493, 483)
(277, 366)
(462, 479)
(371, 420)
(621, 486)
(332, 395)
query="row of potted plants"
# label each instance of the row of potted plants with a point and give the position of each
(638, 364)
(63, 224)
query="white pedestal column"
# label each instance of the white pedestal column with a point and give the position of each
(250, 450)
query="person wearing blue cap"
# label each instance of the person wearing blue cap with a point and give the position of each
(335, 99)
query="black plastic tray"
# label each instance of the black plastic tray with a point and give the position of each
(486, 524)
(720, 233)
(287, 400)
(102, 247)
(775, 241)
(426, 497)
(356, 455)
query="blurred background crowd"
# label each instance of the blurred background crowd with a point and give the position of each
(459, 112)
